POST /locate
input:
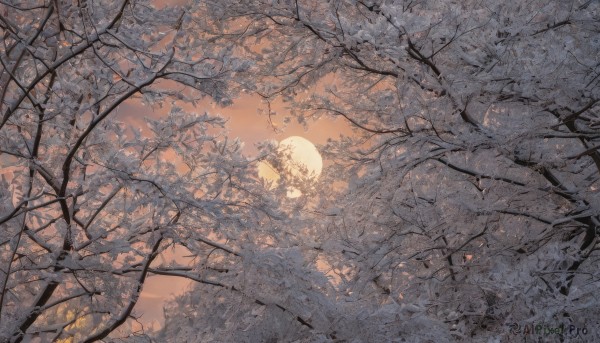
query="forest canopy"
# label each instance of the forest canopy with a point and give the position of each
(464, 206)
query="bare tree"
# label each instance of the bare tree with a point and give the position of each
(88, 202)
(473, 176)
(471, 208)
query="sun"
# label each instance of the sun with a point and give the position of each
(301, 159)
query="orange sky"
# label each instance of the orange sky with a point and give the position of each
(245, 123)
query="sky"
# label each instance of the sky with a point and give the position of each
(245, 123)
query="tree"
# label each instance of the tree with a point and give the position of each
(470, 210)
(473, 177)
(88, 202)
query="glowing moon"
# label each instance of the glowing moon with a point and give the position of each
(302, 159)
(303, 155)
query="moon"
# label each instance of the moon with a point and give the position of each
(301, 159)
(303, 155)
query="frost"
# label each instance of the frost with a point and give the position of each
(463, 200)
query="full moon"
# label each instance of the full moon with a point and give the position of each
(302, 160)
